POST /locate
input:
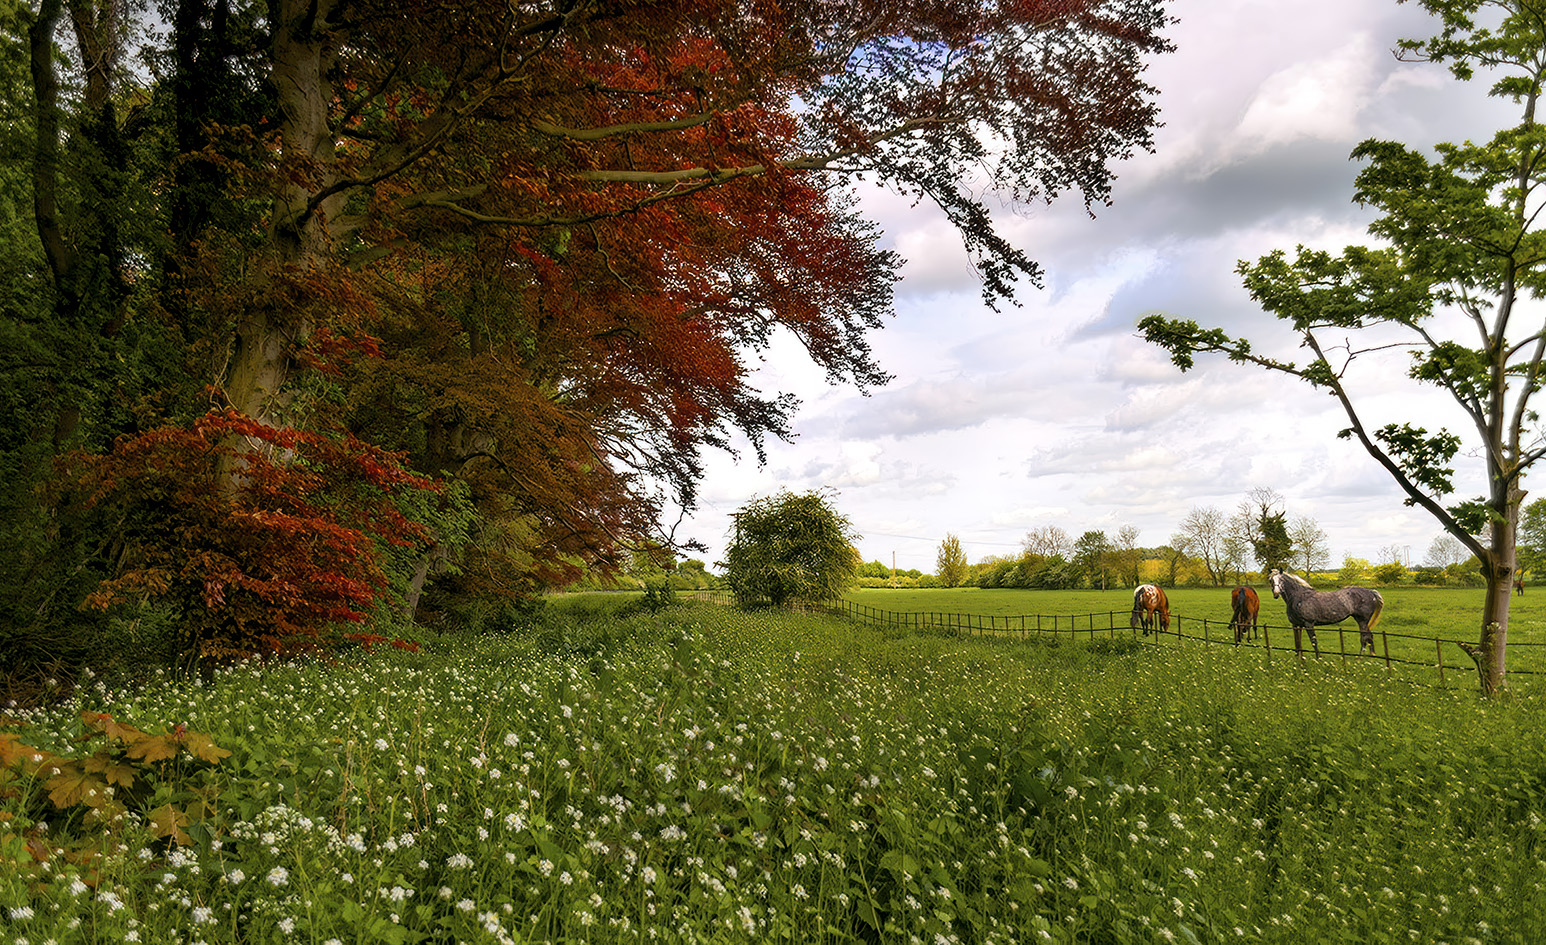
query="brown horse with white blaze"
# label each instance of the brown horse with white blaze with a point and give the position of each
(1148, 601)
(1246, 605)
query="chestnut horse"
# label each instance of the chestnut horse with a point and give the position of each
(1148, 600)
(1246, 605)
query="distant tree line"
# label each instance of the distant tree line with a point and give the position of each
(1213, 549)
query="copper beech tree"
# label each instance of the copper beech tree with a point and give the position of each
(549, 235)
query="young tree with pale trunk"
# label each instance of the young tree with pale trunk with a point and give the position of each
(1459, 243)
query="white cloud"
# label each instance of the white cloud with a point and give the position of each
(1055, 413)
(1318, 99)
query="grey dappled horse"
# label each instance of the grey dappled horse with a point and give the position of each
(1309, 608)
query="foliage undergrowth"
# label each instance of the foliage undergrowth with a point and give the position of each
(693, 773)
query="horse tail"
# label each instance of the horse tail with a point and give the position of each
(1379, 605)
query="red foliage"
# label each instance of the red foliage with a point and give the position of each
(575, 232)
(264, 564)
(369, 641)
(330, 353)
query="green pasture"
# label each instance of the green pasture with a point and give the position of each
(609, 774)
(1413, 619)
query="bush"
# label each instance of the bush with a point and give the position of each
(790, 548)
(1393, 573)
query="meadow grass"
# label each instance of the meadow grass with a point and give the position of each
(706, 775)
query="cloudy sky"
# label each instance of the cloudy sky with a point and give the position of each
(1056, 412)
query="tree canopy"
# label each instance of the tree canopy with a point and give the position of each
(530, 249)
(950, 564)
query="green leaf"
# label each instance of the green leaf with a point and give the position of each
(899, 863)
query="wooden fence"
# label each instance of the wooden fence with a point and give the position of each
(1396, 651)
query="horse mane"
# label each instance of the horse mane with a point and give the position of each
(1295, 578)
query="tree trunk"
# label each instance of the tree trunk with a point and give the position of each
(415, 588)
(300, 247)
(1497, 568)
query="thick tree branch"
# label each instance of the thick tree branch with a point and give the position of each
(612, 131)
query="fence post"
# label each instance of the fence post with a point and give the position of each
(1385, 637)
(1438, 649)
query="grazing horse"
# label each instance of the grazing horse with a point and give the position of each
(1519, 584)
(1246, 605)
(1148, 600)
(1309, 608)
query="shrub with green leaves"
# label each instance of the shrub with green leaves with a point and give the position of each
(788, 548)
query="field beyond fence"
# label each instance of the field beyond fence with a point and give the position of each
(1426, 659)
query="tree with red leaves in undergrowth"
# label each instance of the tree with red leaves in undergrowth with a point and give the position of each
(271, 565)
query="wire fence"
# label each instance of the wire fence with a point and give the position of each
(1413, 655)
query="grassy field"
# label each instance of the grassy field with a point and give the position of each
(1413, 617)
(706, 775)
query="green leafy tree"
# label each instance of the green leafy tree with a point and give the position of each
(694, 575)
(1354, 570)
(1532, 537)
(1126, 557)
(950, 563)
(1091, 552)
(1311, 547)
(1460, 246)
(1055, 574)
(1393, 573)
(1263, 526)
(788, 548)
(874, 569)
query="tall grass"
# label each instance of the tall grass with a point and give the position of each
(701, 774)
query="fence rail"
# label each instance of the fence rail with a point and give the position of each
(1394, 650)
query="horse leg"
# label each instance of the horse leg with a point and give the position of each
(1315, 643)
